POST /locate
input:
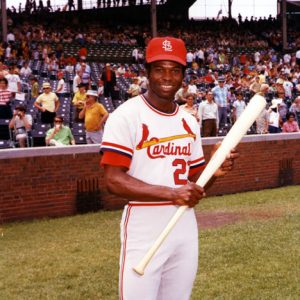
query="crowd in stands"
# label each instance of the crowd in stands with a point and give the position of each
(228, 62)
(37, 6)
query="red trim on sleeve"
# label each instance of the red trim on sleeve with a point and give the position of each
(191, 162)
(193, 171)
(115, 159)
(113, 145)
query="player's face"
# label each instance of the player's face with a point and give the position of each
(165, 79)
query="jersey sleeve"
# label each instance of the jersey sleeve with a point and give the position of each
(197, 160)
(117, 144)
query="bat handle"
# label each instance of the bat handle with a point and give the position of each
(140, 268)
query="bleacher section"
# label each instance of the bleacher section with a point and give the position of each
(66, 108)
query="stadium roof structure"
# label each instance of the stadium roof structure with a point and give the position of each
(293, 6)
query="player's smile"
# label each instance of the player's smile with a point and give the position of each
(165, 79)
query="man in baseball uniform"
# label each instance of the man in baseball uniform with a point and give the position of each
(152, 155)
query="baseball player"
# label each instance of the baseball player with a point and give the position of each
(152, 155)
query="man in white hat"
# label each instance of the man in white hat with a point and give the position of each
(274, 116)
(47, 103)
(94, 115)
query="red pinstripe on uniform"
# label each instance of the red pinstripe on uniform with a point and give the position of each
(124, 251)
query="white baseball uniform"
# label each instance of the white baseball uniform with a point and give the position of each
(160, 149)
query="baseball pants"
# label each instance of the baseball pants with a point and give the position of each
(171, 272)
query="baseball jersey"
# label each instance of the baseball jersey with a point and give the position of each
(156, 147)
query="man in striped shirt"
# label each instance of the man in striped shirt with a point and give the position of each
(5, 97)
(220, 93)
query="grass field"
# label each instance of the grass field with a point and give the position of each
(257, 257)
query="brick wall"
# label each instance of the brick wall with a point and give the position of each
(52, 182)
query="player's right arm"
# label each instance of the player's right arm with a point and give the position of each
(120, 183)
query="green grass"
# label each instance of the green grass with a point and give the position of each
(77, 257)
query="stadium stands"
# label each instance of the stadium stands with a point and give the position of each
(223, 43)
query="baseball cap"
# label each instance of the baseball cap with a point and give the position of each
(275, 102)
(92, 93)
(46, 85)
(166, 48)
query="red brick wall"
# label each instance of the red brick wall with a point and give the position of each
(51, 182)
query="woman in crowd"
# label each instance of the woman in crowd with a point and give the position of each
(291, 124)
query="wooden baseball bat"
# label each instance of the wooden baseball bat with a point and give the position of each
(238, 130)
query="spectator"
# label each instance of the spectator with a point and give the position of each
(61, 85)
(190, 107)
(100, 88)
(14, 81)
(86, 75)
(193, 87)
(298, 57)
(274, 117)
(77, 80)
(109, 78)
(134, 88)
(262, 122)
(189, 59)
(47, 103)
(11, 37)
(34, 88)
(283, 110)
(25, 70)
(291, 124)
(82, 53)
(59, 135)
(71, 4)
(143, 81)
(220, 93)
(21, 124)
(288, 87)
(239, 106)
(121, 70)
(5, 98)
(255, 85)
(181, 94)
(94, 115)
(135, 55)
(208, 116)
(79, 100)
(295, 107)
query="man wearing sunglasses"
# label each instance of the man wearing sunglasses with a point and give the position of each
(59, 135)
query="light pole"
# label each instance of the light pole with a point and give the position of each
(153, 18)
(4, 20)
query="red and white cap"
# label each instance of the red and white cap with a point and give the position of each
(166, 48)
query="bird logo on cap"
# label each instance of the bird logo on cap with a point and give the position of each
(167, 46)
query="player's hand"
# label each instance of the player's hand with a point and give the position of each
(228, 163)
(189, 194)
